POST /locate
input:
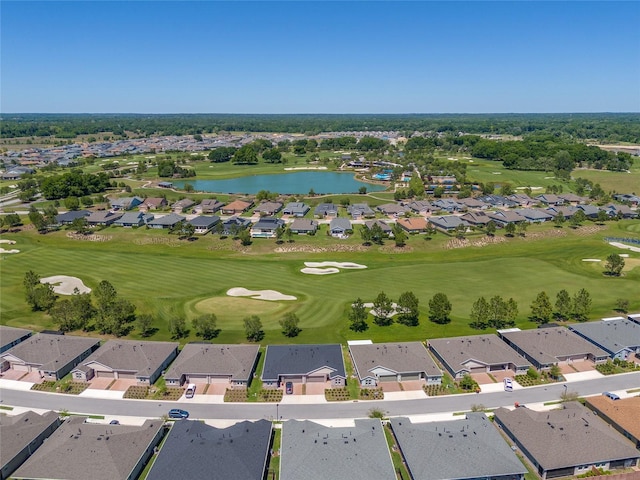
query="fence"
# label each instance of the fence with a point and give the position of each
(623, 240)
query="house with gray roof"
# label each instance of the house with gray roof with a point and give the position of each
(132, 359)
(590, 211)
(476, 354)
(233, 225)
(21, 435)
(303, 364)
(296, 209)
(125, 203)
(449, 205)
(617, 336)
(52, 356)
(504, 217)
(550, 199)
(545, 347)
(133, 219)
(196, 450)
(11, 336)
(566, 211)
(623, 211)
(103, 218)
(166, 221)
(476, 219)
(266, 227)
(629, 199)
(311, 451)
(340, 227)
(394, 362)
(214, 363)
(569, 441)
(497, 201)
(393, 209)
(534, 215)
(303, 226)
(67, 218)
(474, 203)
(203, 223)
(268, 208)
(522, 199)
(326, 210)
(386, 229)
(211, 205)
(469, 448)
(447, 223)
(182, 205)
(421, 207)
(78, 450)
(360, 210)
(572, 198)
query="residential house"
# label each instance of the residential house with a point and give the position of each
(52, 356)
(303, 364)
(568, 441)
(125, 203)
(497, 201)
(165, 184)
(303, 226)
(621, 414)
(233, 225)
(467, 448)
(197, 450)
(566, 211)
(393, 209)
(550, 199)
(393, 362)
(590, 211)
(522, 199)
(11, 336)
(268, 208)
(326, 210)
(236, 207)
(206, 363)
(413, 224)
(67, 218)
(15, 173)
(78, 450)
(203, 223)
(266, 227)
(153, 203)
(312, 451)
(360, 210)
(573, 199)
(475, 219)
(545, 347)
(619, 337)
(182, 205)
(447, 223)
(476, 354)
(166, 221)
(620, 211)
(103, 218)
(210, 205)
(474, 203)
(634, 317)
(386, 229)
(21, 435)
(130, 359)
(629, 199)
(133, 219)
(504, 217)
(422, 207)
(296, 209)
(339, 227)
(449, 205)
(534, 215)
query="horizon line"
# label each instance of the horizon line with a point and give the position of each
(325, 113)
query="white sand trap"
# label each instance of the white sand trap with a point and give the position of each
(65, 285)
(393, 313)
(271, 295)
(346, 265)
(626, 247)
(591, 260)
(319, 271)
(497, 173)
(10, 242)
(624, 255)
(13, 250)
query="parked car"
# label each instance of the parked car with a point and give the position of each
(612, 396)
(114, 422)
(289, 388)
(508, 385)
(177, 413)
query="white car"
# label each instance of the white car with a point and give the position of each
(508, 385)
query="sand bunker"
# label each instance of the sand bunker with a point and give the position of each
(65, 285)
(319, 271)
(271, 295)
(626, 247)
(347, 265)
(13, 250)
(373, 312)
(10, 242)
(591, 260)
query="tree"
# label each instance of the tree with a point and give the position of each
(178, 328)
(80, 225)
(38, 295)
(245, 155)
(578, 219)
(72, 203)
(280, 233)
(581, 305)
(522, 228)
(491, 228)
(382, 308)
(468, 383)
(253, 328)
(289, 324)
(377, 235)
(206, 326)
(38, 220)
(399, 235)
(563, 305)
(62, 315)
(245, 237)
(622, 305)
(555, 371)
(408, 312)
(144, 323)
(563, 164)
(510, 229)
(365, 234)
(541, 309)
(479, 314)
(559, 219)
(358, 316)
(439, 309)
(362, 190)
(497, 312)
(602, 216)
(221, 154)
(12, 220)
(272, 155)
(512, 311)
(614, 265)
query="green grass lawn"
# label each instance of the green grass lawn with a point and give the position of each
(166, 277)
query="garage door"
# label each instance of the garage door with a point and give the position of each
(127, 376)
(20, 368)
(103, 374)
(411, 376)
(388, 378)
(496, 368)
(478, 369)
(198, 379)
(219, 380)
(317, 379)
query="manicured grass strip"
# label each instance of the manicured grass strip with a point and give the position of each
(4, 407)
(396, 456)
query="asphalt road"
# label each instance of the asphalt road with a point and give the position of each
(254, 411)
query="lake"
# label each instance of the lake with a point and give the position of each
(285, 183)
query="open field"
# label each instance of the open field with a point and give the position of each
(165, 276)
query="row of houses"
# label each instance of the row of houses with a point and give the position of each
(512, 351)
(572, 440)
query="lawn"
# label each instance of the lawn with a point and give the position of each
(166, 277)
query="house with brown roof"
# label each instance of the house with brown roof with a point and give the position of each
(214, 363)
(476, 354)
(504, 217)
(211, 205)
(413, 224)
(268, 208)
(422, 207)
(476, 219)
(386, 229)
(153, 203)
(132, 359)
(236, 207)
(393, 209)
(393, 362)
(303, 226)
(545, 347)
(622, 414)
(182, 205)
(565, 442)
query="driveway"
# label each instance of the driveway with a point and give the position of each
(12, 374)
(390, 386)
(581, 366)
(412, 385)
(213, 389)
(317, 388)
(122, 384)
(482, 378)
(100, 383)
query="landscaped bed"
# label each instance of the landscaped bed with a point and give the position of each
(270, 395)
(71, 388)
(235, 395)
(143, 392)
(616, 366)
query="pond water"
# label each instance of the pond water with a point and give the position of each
(285, 183)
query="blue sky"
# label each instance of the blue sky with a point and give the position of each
(320, 57)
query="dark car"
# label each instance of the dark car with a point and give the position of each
(289, 388)
(177, 413)
(114, 422)
(612, 396)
